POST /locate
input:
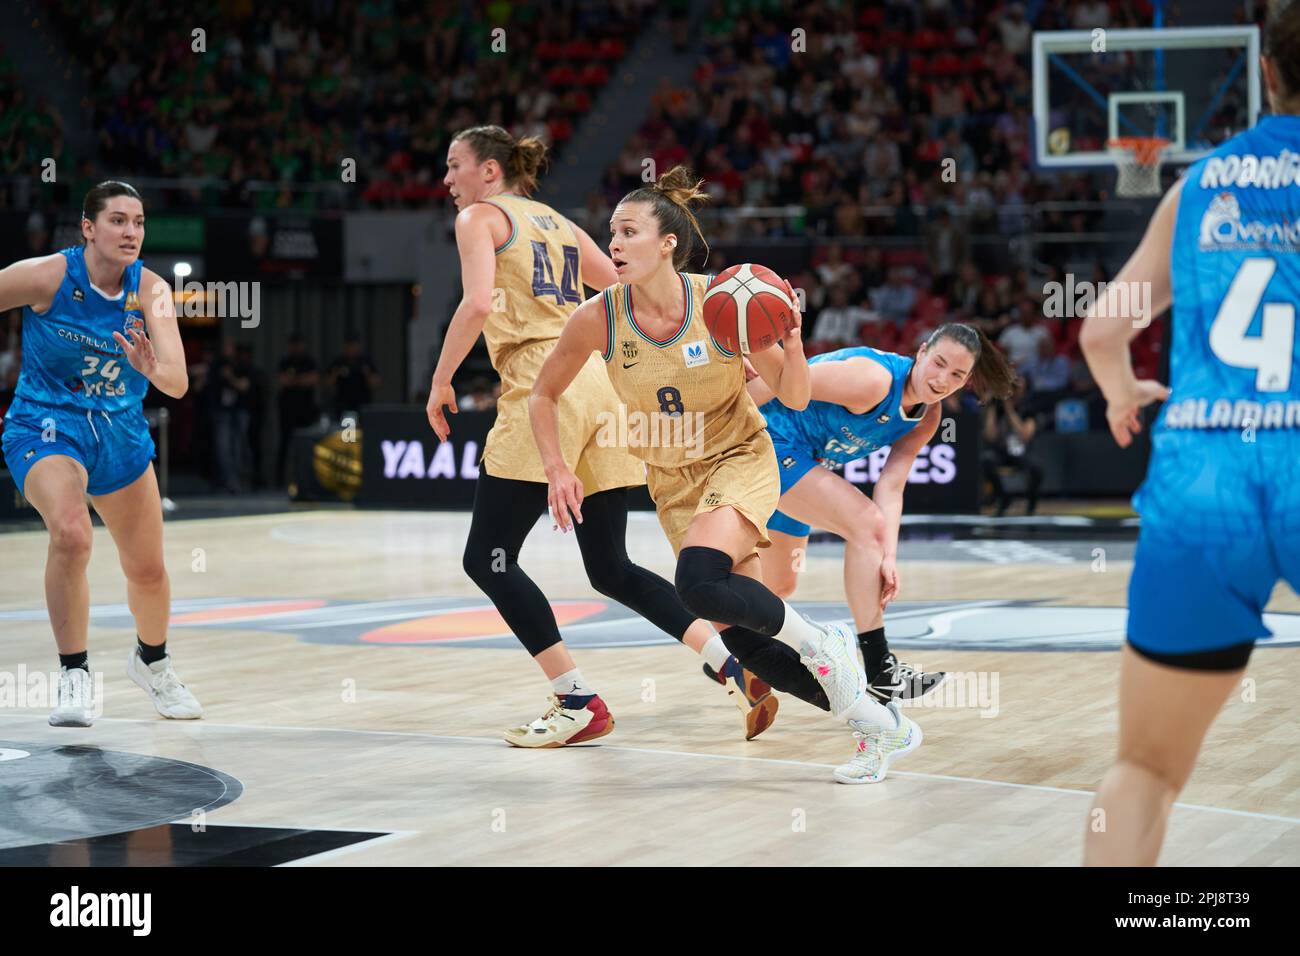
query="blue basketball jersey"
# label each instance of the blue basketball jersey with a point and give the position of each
(1235, 269)
(70, 358)
(834, 433)
(1220, 505)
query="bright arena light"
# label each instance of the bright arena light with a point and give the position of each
(182, 269)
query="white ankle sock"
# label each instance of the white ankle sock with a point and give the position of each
(715, 653)
(800, 634)
(872, 711)
(571, 682)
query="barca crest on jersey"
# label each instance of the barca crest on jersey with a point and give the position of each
(630, 349)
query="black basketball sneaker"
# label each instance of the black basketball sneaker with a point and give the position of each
(898, 681)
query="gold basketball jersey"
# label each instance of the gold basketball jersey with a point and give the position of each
(538, 279)
(683, 398)
(538, 275)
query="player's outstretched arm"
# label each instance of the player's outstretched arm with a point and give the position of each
(1104, 338)
(158, 356)
(32, 282)
(888, 494)
(477, 273)
(583, 334)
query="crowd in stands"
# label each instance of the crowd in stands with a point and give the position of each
(856, 126)
(854, 131)
(825, 121)
(281, 96)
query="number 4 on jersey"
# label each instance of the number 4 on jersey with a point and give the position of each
(544, 274)
(1270, 352)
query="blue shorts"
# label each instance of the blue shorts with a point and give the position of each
(115, 450)
(1220, 526)
(793, 462)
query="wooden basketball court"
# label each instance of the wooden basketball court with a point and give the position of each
(355, 694)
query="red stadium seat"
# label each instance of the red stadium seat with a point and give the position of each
(593, 74)
(946, 64)
(927, 39)
(549, 50)
(562, 75)
(560, 129)
(880, 335)
(611, 49)
(580, 51)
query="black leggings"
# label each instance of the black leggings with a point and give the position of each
(505, 510)
(711, 590)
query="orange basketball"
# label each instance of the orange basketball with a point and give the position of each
(747, 309)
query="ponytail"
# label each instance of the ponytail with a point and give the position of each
(520, 160)
(671, 199)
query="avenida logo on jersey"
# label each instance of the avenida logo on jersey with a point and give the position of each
(1222, 228)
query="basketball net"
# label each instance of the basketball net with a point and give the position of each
(1138, 159)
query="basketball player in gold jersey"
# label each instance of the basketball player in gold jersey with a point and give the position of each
(710, 465)
(535, 261)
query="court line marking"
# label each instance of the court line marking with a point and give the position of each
(1275, 818)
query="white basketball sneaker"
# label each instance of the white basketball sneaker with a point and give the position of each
(171, 698)
(75, 699)
(834, 661)
(878, 747)
(562, 724)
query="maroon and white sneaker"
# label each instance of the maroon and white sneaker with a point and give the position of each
(561, 725)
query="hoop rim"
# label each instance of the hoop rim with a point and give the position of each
(1143, 150)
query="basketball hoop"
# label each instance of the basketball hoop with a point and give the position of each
(1138, 160)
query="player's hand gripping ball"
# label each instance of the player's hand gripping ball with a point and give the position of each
(749, 308)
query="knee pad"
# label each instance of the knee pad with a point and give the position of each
(701, 582)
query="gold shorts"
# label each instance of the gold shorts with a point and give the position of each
(510, 450)
(745, 478)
